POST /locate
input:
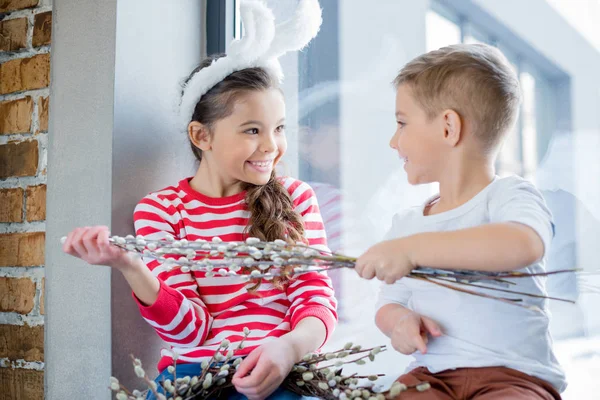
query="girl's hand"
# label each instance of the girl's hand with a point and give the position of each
(388, 261)
(93, 247)
(265, 368)
(411, 333)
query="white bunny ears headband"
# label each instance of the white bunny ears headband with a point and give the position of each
(263, 43)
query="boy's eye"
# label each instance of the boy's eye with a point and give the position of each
(280, 128)
(252, 131)
(402, 124)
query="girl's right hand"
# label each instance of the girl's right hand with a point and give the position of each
(411, 333)
(92, 246)
(265, 368)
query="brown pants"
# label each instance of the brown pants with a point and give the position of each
(492, 383)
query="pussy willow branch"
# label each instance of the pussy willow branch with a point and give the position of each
(254, 260)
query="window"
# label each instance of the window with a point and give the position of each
(520, 151)
(339, 89)
(441, 31)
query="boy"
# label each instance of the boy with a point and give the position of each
(453, 107)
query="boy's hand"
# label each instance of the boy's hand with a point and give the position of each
(388, 261)
(411, 333)
(265, 368)
(92, 246)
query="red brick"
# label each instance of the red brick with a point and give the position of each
(43, 297)
(43, 103)
(15, 115)
(21, 383)
(22, 249)
(12, 5)
(22, 342)
(36, 203)
(13, 34)
(42, 29)
(12, 205)
(19, 159)
(17, 295)
(25, 74)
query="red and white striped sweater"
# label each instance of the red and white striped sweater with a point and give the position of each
(194, 313)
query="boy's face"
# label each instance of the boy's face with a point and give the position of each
(418, 140)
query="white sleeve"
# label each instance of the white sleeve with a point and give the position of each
(398, 292)
(517, 200)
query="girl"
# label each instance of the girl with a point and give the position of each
(237, 134)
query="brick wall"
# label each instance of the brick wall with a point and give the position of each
(25, 27)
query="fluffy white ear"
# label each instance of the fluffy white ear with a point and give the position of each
(259, 30)
(259, 26)
(298, 31)
(261, 45)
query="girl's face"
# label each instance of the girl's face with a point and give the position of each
(246, 145)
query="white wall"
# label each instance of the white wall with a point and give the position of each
(77, 325)
(584, 18)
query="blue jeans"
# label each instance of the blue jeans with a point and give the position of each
(195, 370)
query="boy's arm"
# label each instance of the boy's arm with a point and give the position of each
(392, 305)
(492, 247)
(407, 330)
(386, 317)
(518, 233)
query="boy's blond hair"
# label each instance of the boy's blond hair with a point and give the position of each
(475, 80)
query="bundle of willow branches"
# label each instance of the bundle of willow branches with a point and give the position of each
(255, 260)
(317, 375)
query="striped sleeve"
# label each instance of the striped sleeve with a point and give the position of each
(311, 294)
(178, 316)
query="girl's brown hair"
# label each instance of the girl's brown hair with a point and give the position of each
(272, 214)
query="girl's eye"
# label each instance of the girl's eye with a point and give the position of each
(401, 124)
(280, 128)
(252, 131)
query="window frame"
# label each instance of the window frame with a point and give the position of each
(221, 20)
(471, 21)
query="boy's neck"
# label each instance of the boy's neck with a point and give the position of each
(208, 182)
(461, 183)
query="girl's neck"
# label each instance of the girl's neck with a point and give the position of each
(210, 183)
(461, 183)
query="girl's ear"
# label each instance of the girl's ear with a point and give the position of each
(199, 135)
(452, 127)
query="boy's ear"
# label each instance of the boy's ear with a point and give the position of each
(199, 135)
(452, 127)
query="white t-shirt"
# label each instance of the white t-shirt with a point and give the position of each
(480, 332)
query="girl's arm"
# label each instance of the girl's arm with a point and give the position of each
(144, 285)
(311, 294)
(312, 312)
(308, 335)
(177, 314)
(262, 372)
(91, 244)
